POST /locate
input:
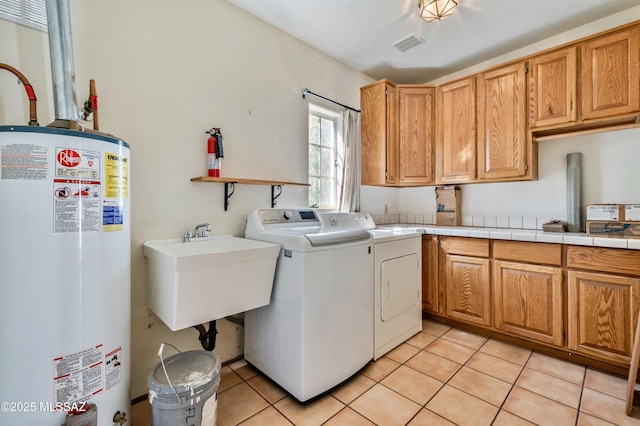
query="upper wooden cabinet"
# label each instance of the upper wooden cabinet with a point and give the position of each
(504, 150)
(416, 134)
(456, 132)
(484, 128)
(378, 134)
(611, 74)
(590, 84)
(397, 134)
(552, 88)
(481, 128)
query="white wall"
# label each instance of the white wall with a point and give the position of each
(26, 50)
(165, 72)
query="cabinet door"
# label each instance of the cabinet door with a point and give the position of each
(456, 131)
(552, 88)
(528, 300)
(611, 74)
(393, 158)
(377, 125)
(502, 134)
(602, 312)
(468, 289)
(430, 273)
(416, 134)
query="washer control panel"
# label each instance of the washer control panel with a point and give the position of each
(300, 216)
(348, 220)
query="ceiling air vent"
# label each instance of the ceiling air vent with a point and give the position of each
(408, 42)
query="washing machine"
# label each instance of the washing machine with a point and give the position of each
(316, 332)
(397, 282)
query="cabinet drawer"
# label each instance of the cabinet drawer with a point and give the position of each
(478, 247)
(618, 261)
(542, 253)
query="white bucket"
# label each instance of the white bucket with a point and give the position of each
(189, 395)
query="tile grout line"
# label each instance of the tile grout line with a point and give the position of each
(513, 385)
(424, 406)
(584, 380)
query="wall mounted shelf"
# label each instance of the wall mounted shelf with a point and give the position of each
(229, 186)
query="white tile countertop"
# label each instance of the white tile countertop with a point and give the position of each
(533, 235)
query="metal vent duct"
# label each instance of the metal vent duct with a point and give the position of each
(62, 66)
(408, 42)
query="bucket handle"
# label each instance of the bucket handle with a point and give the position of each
(165, 369)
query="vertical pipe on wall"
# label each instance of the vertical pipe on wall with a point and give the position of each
(574, 192)
(62, 65)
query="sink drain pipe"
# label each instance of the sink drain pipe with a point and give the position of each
(207, 338)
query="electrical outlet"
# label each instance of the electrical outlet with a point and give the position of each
(386, 209)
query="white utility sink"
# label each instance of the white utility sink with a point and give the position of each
(190, 283)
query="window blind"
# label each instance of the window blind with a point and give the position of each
(32, 13)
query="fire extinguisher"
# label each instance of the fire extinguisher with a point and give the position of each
(215, 151)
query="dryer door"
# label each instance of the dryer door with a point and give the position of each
(399, 282)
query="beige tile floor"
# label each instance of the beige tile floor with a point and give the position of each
(441, 376)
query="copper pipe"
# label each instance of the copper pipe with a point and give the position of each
(33, 118)
(93, 100)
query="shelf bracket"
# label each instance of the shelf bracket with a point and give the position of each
(274, 195)
(227, 194)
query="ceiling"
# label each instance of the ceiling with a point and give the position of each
(361, 33)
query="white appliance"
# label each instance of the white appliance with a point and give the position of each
(65, 270)
(317, 330)
(397, 283)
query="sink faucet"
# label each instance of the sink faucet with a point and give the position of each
(200, 232)
(204, 230)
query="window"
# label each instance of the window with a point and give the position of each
(325, 158)
(32, 13)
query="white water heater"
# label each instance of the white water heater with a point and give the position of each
(65, 264)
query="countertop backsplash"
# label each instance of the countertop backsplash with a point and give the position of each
(477, 221)
(502, 228)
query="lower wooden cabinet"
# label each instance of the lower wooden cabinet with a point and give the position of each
(528, 300)
(580, 301)
(603, 310)
(468, 289)
(430, 296)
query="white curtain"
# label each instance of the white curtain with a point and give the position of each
(350, 194)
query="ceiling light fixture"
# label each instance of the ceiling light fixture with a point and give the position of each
(436, 10)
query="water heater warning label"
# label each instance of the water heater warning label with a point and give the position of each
(116, 175)
(77, 191)
(24, 161)
(113, 368)
(76, 205)
(78, 376)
